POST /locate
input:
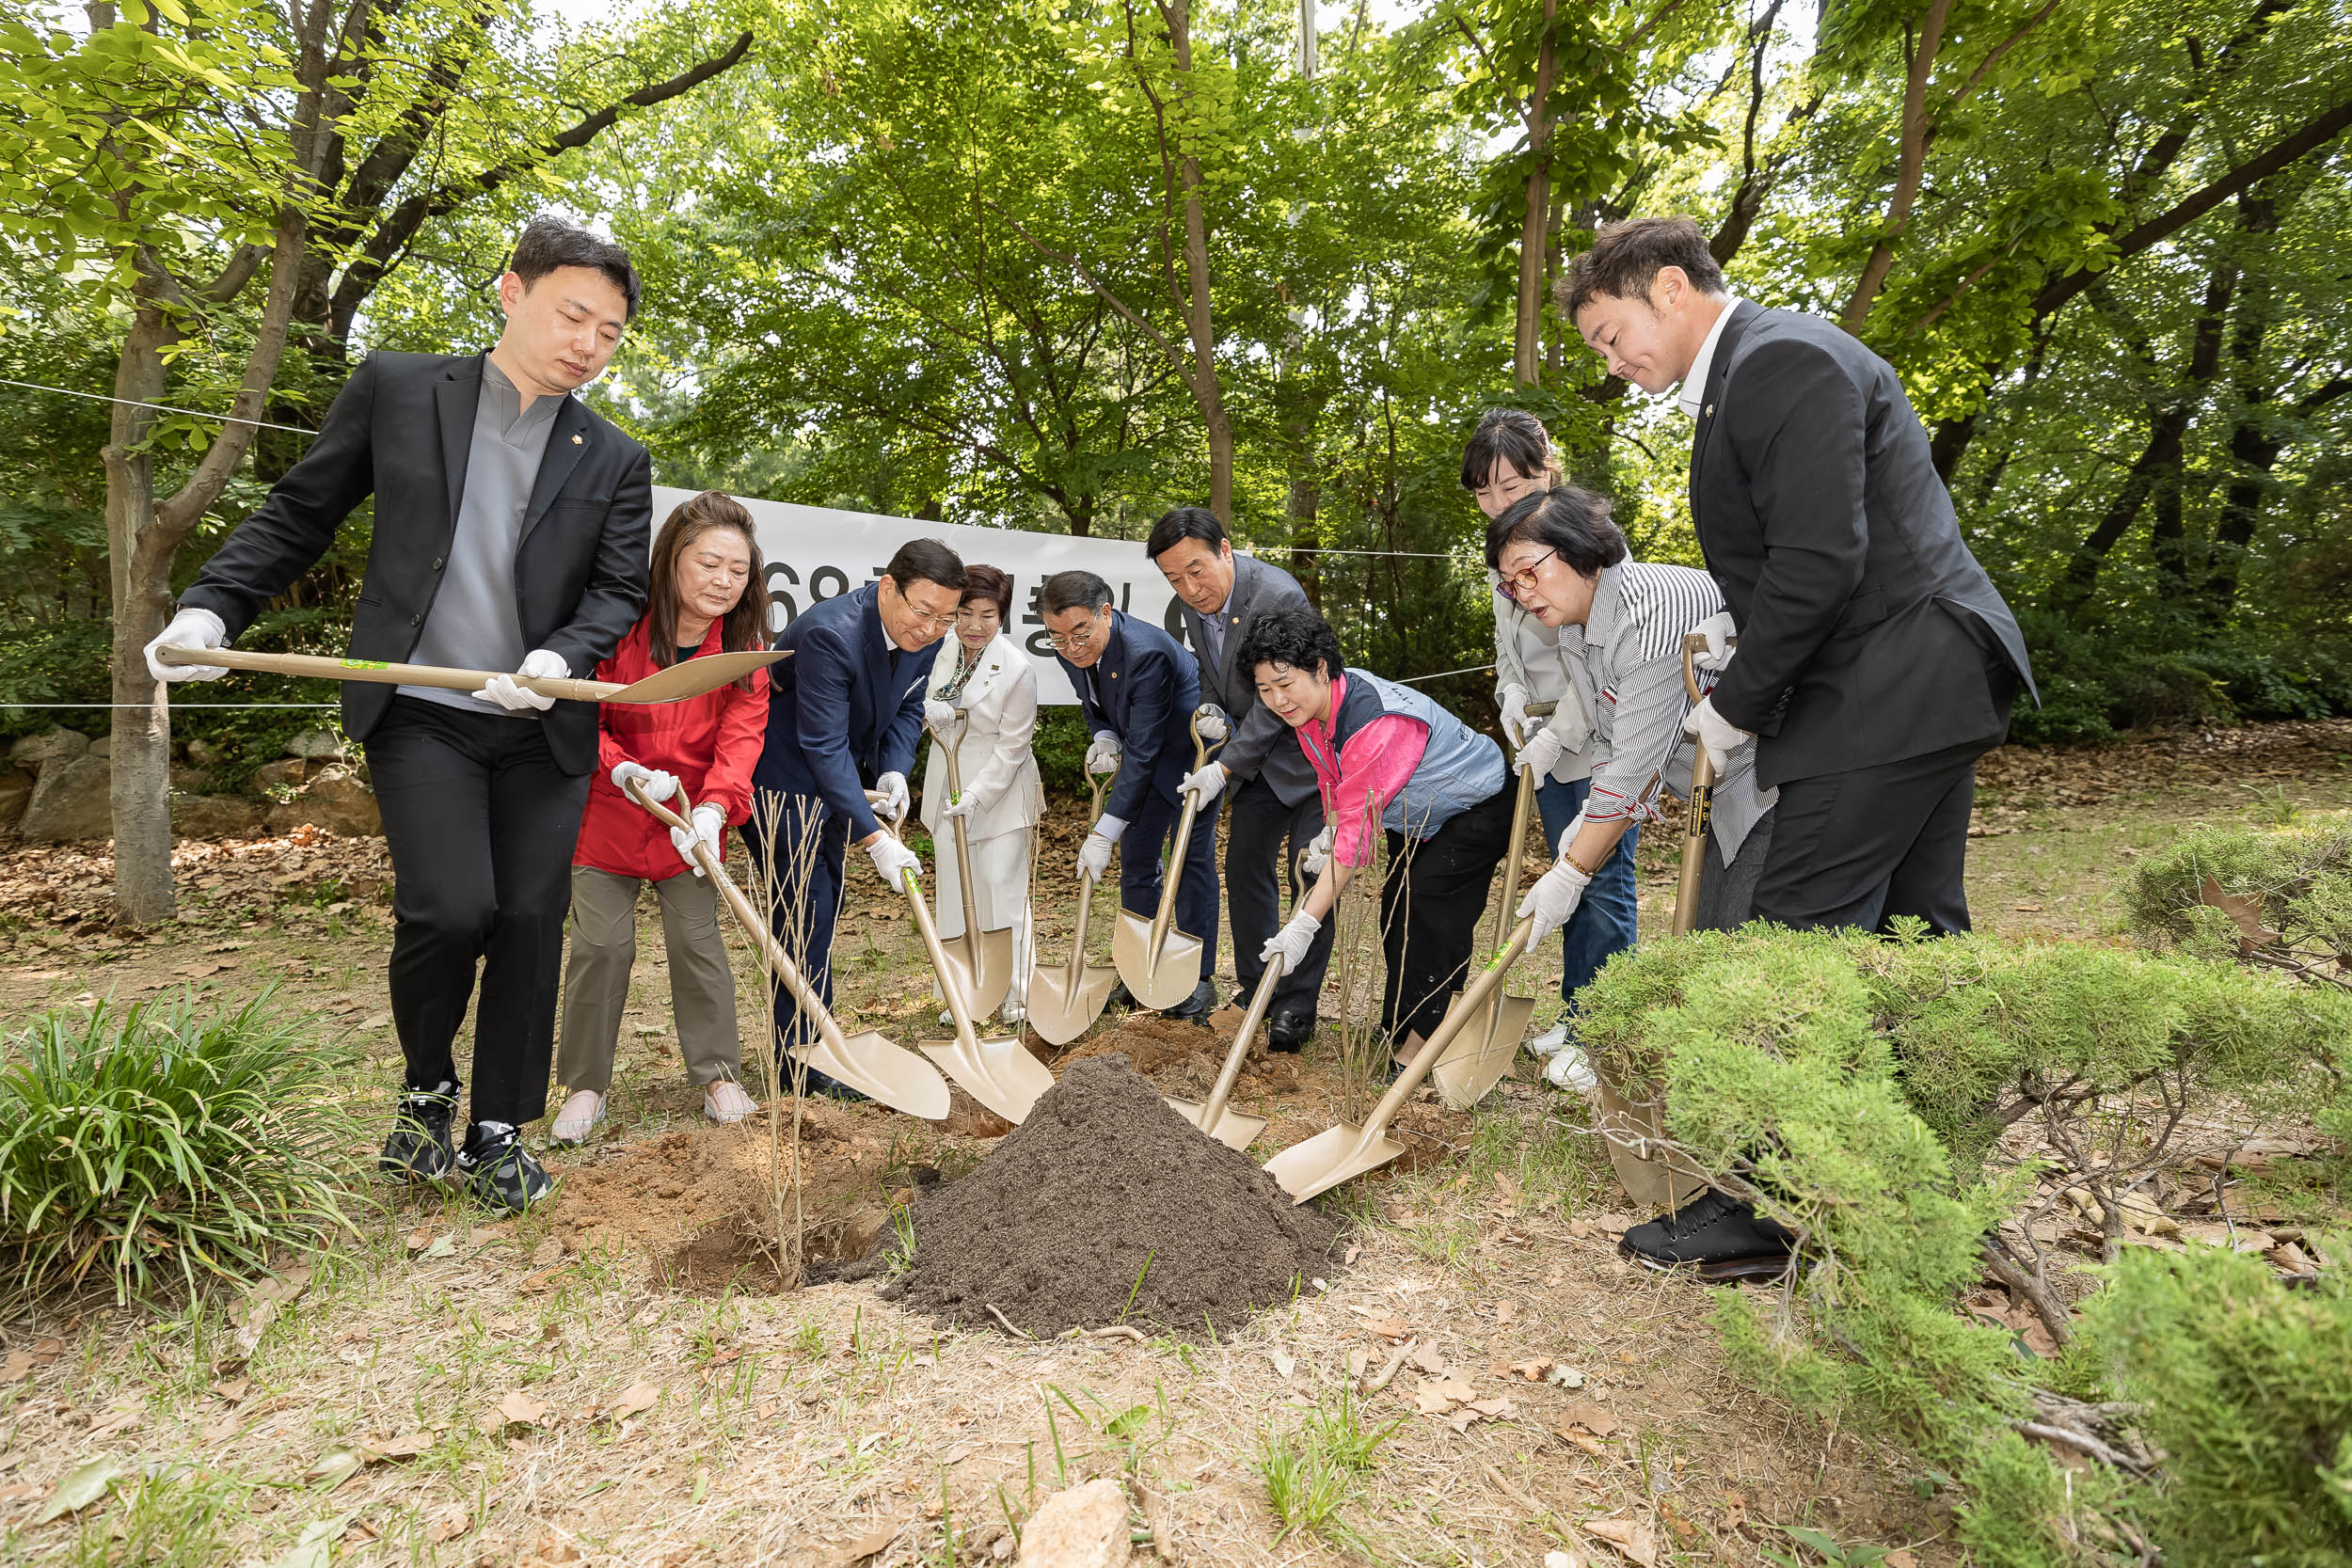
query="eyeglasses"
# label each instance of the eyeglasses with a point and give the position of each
(1077, 641)
(1522, 581)
(944, 622)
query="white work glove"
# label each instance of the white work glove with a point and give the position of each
(1554, 899)
(538, 664)
(1104, 754)
(191, 629)
(1291, 942)
(1317, 854)
(1094, 855)
(1542, 752)
(1209, 781)
(938, 716)
(656, 785)
(706, 822)
(1719, 734)
(1719, 629)
(1513, 701)
(1212, 724)
(892, 788)
(891, 860)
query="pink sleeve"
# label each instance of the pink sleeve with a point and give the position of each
(1377, 762)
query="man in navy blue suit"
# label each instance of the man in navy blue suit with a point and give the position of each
(846, 710)
(1138, 689)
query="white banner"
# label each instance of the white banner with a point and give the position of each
(814, 552)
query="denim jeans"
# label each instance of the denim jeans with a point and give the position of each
(1605, 922)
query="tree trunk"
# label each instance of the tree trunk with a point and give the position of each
(1908, 169)
(1526, 347)
(1198, 325)
(139, 752)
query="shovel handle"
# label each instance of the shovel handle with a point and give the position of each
(1488, 982)
(378, 672)
(969, 1037)
(1227, 1075)
(1702, 803)
(1201, 750)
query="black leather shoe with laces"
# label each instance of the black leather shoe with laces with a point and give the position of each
(498, 1171)
(1194, 1008)
(1289, 1031)
(420, 1148)
(1714, 1236)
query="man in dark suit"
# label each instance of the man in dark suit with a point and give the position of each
(1273, 799)
(846, 710)
(1139, 692)
(510, 529)
(1876, 661)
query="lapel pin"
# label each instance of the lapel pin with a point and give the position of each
(577, 441)
(1711, 414)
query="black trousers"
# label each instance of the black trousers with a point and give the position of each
(1262, 841)
(481, 823)
(1861, 848)
(803, 870)
(1430, 903)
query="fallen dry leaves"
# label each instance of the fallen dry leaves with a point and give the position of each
(72, 884)
(1637, 1541)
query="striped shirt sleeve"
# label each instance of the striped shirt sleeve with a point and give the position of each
(1644, 687)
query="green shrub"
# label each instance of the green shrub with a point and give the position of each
(2279, 897)
(2245, 1386)
(151, 1144)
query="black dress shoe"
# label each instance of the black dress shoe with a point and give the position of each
(498, 1171)
(1714, 1236)
(1194, 1008)
(1120, 996)
(420, 1148)
(1289, 1031)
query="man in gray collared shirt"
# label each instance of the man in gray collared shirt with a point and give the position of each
(472, 623)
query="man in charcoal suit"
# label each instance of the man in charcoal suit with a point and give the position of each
(511, 534)
(1274, 802)
(1876, 661)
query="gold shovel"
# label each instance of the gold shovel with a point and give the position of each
(1000, 1074)
(979, 961)
(1065, 1002)
(875, 1067)
(1702, 799)
(1231, 1128)
(691, 678)
(1333, 1156)
(1483, 1050)
(1161, 965)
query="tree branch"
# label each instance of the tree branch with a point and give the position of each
(1175, 355)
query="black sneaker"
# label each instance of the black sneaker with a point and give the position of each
(1289, 1031)
(419, 1147)
(1716, 1237)
(1194, 1008)
(498, 1171)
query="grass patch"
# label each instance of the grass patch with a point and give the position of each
(1311, 1471)
(153, 1144)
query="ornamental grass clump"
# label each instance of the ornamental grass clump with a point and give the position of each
(156, 1144)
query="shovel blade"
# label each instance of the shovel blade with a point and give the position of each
(1328, 1159)
(1482, 1053)
(1000, 1074)
(983, 989)
(1157, 978)
(696, 677)
(882, 1072)
(1233, 1129)
(1060, 1012)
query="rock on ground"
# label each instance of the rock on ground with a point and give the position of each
(1083, 1528)
(70, 802)
(337, 800)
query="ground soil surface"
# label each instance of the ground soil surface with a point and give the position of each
(634, 1374)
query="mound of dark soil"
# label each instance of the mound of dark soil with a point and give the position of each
(1105, 1194)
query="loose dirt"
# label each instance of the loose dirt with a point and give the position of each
(1107, 1207)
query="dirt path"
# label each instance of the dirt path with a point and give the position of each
(555, 1389)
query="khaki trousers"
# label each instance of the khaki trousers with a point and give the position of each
(596, 977)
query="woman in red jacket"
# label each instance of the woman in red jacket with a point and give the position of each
(706, 596)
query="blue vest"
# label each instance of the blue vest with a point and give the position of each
(1459, 769)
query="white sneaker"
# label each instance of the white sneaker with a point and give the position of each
(1551, 1042)
(1013, 1013)
(1568, 1069)
(726, 1103)
(582, 1114)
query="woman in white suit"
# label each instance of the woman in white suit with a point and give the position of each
(982, 674)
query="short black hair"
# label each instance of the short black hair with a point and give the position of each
(1511, 435)
(1574, 524)
(1627, 257)
(926, 560)
(1074, 589)
(549, 243)
(1181, 523)
(1292, 635)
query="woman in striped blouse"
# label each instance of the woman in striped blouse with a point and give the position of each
(1621, 624)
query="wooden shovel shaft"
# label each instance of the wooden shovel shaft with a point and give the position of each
(1100, 784)
(1213, 1109)
(1161, 921)
(1473, 1000)
(377, 672)
(963, 851)
(1505, 912)
(965, 1034)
